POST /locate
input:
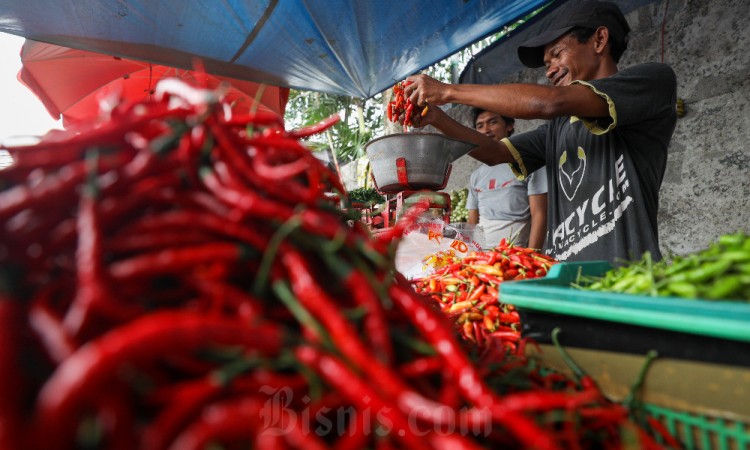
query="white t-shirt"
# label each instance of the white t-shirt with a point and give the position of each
(503, 202)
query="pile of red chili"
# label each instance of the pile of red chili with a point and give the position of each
(400, 106)
(467, 292)
(174, 277)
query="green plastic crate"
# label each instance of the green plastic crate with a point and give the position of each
(696, 431)
(553, 294)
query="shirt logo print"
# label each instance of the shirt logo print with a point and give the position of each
(493, 184)
(570, 182)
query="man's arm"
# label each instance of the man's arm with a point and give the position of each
(538, 210)
(518, 100)
(473, 216)
(488, 150)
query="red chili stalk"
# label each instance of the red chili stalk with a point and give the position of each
(88, 372)
(440, 335)
(348, 342)
(12, 384)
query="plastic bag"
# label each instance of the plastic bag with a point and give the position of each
(430, 244)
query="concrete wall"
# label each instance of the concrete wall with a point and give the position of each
(706, 189)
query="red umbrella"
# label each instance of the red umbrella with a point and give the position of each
(70, 82)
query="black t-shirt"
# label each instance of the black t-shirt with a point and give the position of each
(604, 174)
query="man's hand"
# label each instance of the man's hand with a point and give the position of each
(422, 116)
(425, 90)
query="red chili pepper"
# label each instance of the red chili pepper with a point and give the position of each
(176, 260)
(664, 433)
(161, 431)
(376, 322)
(493, 310)
(209, 222)
(512, 336)
(255, 118)
(128, 243)
(93, 293)
(288, 174)
(421, 367)
(315, 299)
(225, 295)
(474, 297)
(511, 317)
(361, 394)
(449, 269)
(488, 258)
(486, 270)
(489, 323)
(54, 338)
(409, 111)
(149, 192)
(479, 336)
(235, 419)
(509, 329)
(459, 307)
(400, 102)
(117, 419)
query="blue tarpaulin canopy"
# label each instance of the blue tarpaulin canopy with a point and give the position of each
(354, 48)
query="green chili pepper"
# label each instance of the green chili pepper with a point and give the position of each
(744, 268)
(721, 271)
(680, 264)
(736, 256)
(708, 271)
(732, 240)
(682, 289)
(724, 287)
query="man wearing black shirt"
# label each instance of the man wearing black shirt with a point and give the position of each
(605, 144)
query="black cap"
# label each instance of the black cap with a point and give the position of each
(572, 14)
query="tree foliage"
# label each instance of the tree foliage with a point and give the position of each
(360, 120)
